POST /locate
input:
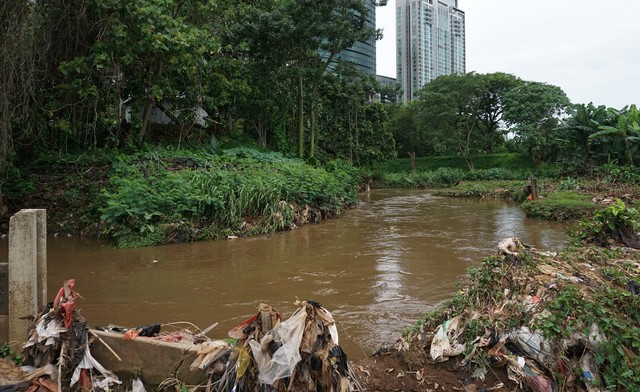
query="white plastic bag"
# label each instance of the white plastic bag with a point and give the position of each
(281, 364)
(445, 343)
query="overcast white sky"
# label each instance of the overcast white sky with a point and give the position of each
(590, 48)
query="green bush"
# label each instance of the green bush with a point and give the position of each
(504, 189)
(511, 162)
(442, 177)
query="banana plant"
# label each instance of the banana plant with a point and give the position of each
(627, 129)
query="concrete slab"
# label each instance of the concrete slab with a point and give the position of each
(156, 361)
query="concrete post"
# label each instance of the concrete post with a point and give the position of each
(4, 302)
(41, 257)
(27, 270)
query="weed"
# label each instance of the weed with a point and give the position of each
(6, 352)
(608, 222)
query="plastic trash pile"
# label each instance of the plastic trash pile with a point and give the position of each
(264, 353)
(521, 310)
(57, 348)
(299, 354)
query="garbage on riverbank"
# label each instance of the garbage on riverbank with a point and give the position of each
(264, 353)
(557, 322)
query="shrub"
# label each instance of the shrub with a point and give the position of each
(615, 222)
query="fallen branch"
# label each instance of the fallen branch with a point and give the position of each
(106, 345)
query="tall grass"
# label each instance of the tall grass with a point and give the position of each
(153, 197)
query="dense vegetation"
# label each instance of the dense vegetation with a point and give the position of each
(473, 114)
(166, 195)
(95, 74)
(161, 196)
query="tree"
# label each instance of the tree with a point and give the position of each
(492, 106)
(450, 107)
(352, 128)
(533, 111)
(321, 30)
(403, 124)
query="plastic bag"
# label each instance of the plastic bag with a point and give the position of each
(533, 344)
(280, 364)
(445, 343)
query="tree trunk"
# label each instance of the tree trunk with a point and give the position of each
(312, 129)
(628, 151)
(261, 129)
(3, 208)
(148, 105)
(357, 136)
(300, 117)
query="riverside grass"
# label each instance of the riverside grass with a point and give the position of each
(167, 195)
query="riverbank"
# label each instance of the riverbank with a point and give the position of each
(169, 195)
(527, 319)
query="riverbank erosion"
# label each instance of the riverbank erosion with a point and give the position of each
(168, 195)
(532, 320)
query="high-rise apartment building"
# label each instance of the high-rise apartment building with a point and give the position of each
(430, 42)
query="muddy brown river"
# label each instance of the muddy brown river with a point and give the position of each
(377, 268)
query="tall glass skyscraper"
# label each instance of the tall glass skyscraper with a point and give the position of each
(363, 53)
(430, 42)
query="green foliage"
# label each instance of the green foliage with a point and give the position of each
(513, 190)
(480, 183)
(533, 111)
(615, 174)
(6, 352)
(442, 177)
(17, 186)
(625, 135)
(450, 109)
(561, 206)
(576, 150)
(615, 311)
(604, 222)
(569, 184)
(160, 196)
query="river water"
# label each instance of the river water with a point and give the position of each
(377, 268)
